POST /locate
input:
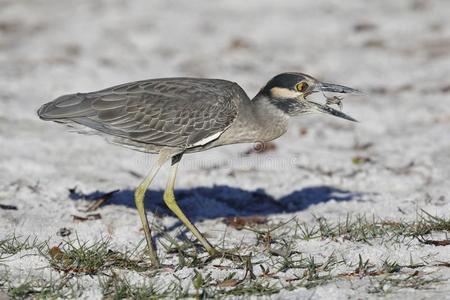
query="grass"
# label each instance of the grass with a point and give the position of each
(44, 289)
(117, 287)
(77, 257)
(278, 264)
(391, 284)
(13, 244)
(366, 230)
(387, 278)
(34, 287)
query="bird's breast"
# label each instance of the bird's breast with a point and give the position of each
(260, 124)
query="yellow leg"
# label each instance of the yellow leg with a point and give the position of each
(139, 195)
(169, 199)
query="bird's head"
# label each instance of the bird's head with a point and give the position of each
(289, 92)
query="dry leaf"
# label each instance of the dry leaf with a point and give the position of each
(436, 242)
(101, 200)
(238, 43)
(359, 160)
(303, 131)
(56, 253)
(241, 222)
(8, 207)
(64, 232)
(364, 26)
(87, 218)
(228, 283)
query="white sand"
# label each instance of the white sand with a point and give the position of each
(396, 51)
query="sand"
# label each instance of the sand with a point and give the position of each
(393, 164)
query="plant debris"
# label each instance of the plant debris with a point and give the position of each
(79, 257)
(8, 207)
(359, 160)
(241, 222)
(435, 242)
(55, 252)
(364, 26)
(362, 146)
(89, 217)
(303, 131)
(64, 232)
(228, 283)
(101, 200)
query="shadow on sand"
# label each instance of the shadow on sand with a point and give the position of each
(224, 201)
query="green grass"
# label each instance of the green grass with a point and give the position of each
(265, 274)
(13, 244)
(391, 284)
(361, 229)
(39, 288)
(74, 256)
(119, 287)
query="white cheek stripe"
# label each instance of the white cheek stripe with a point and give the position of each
(283, 93)
(208, 139)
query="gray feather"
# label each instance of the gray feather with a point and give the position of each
(173, 112)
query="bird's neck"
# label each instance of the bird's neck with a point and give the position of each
(271, 121)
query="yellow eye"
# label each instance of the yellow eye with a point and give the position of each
(301, 86)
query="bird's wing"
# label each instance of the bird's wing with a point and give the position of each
(176, 112)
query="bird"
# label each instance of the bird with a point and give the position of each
(181, 115)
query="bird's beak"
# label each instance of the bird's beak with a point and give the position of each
(333, 88)
(316, 107)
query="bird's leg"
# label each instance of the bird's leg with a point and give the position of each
(139, 195)
(169, 199)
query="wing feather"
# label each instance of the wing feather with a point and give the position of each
(177, 112)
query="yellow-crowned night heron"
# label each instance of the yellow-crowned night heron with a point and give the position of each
(174, 116)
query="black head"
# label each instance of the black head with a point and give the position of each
(288, 92)
(286, 84)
